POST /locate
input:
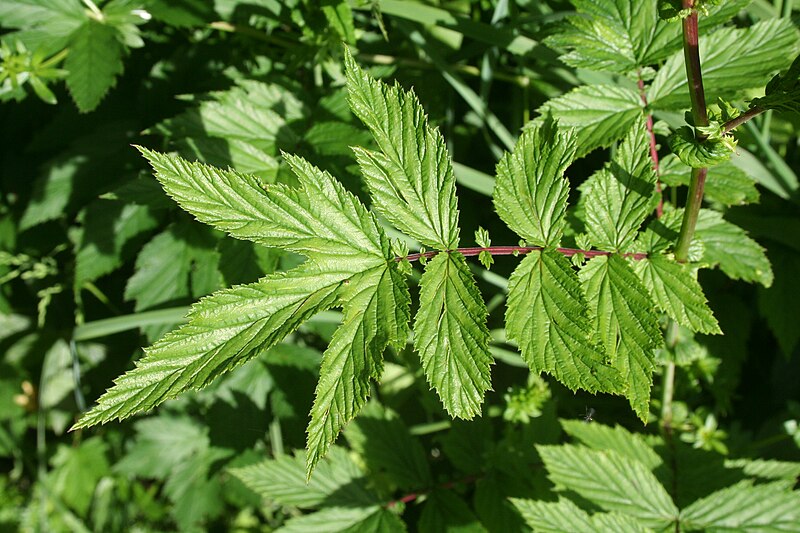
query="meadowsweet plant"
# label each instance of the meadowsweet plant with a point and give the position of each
(604, 292)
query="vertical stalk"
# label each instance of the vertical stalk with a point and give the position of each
(694, 75)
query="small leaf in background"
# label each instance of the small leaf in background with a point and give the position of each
(783, 91)
(386, 446)
(93, 63)
(614, 482)
(734, 59)
(725, 183)
(76, 472)
(745, 507)
(676, 292)
(728, 246)
(600, 114)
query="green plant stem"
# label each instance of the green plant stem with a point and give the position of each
(693, 202)
(694, 75)
(517, 250)
(741, 119)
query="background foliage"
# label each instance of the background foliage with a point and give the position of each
(97, 262)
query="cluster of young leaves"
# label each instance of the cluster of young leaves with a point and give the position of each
(629, 480)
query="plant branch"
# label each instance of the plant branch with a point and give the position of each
(515, 250)
(741, 119)
(694, 74)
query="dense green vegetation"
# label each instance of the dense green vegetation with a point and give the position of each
(552, 288)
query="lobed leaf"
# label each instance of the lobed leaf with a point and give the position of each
(546, 317)
(320, 220)
(600, 114)
(376, 313)
(411, 179)
(620, 196)
(451, 337)
(530, 192)
(614, 482)
(626, 322)
(224, 330)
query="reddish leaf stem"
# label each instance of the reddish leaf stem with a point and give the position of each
(514, 250)
(653, 147)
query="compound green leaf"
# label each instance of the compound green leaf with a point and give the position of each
(746, 507)
(620, 196)
(320, 220)
(411, 178)
(224, 330)
(547, 318)
(626, 322)
(677, 292)
(728, 246)
(733, 60)
(376, 313)
(451, 337)
(600, 114)
(530, 193)
(614, 482)
(93, 63)
(337, 481)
